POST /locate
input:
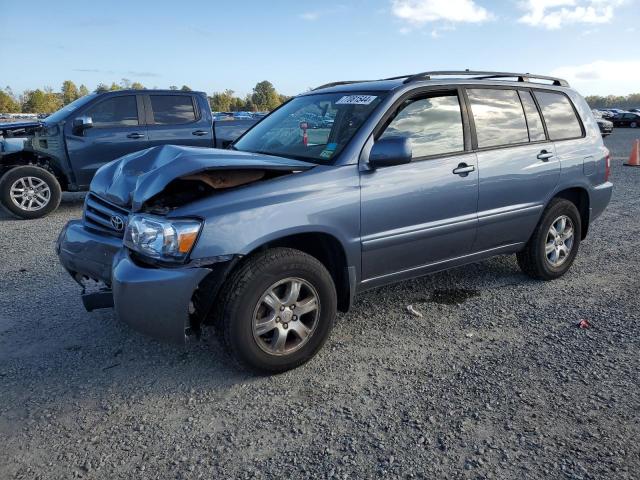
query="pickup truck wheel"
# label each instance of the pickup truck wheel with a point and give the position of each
(554, 244)
(277, 310)
(29, 192)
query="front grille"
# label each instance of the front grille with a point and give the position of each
(102, 215)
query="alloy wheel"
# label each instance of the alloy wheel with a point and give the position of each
(286, 316)
(30, 193)
(560, 239)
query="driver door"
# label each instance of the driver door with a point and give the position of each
(118, 129)
(418, 215)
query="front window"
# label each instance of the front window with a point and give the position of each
(115, 112)
(314, 128)
(67, 109)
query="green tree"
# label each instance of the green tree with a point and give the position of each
(83, 90)
(69, 92)
(221, 101)
(173, 87)
(101, 88)
(137, 86)
(38, 101)
(8, 103)
(284, 98)
(265, 96)
(185, 88)
(114, 86)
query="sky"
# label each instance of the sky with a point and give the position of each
(213, 45)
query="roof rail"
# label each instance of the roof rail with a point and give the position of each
(482, 75)
(477, 75)
(344, 82)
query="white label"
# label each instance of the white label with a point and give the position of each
(356, 100)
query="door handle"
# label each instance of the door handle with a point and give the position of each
(544, 155)
(135, 135)
(463, 169)
(200, 133)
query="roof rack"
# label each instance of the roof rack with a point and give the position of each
(344, 82)
(481, 75)
(477, 75)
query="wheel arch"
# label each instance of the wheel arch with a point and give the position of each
(579, 196)
(329, 251)
(26, 158)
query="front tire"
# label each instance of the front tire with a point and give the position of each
(554, 244)
(29, 192)
(277, 310)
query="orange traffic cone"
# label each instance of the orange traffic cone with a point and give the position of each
(634, 158)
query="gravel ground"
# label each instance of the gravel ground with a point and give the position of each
(494, 381)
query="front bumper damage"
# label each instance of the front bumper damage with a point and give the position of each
(153, 300)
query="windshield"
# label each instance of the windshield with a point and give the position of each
(67, 109)
(313, 127)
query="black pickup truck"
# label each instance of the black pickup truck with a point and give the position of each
(39, 160)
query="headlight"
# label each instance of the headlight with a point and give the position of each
(160, 238)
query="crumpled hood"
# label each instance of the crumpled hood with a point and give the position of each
(135, 178)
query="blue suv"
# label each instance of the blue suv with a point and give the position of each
(266, 240)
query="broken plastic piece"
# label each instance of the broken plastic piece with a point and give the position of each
(413, 311)
(584, 324)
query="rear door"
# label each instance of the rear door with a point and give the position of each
(177, 119)
(416, 215)
(519, 169)
(118, 129)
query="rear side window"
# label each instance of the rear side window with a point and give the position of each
(498, 117)
(534, 122)
(172, 109)
(559, 116)
(115, 112)
(433, 124)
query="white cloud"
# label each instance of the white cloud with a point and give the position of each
(310, 16)
(602, 77)
(313, 15)
(419, 12)
(553, 14)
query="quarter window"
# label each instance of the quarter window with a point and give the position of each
(534, 122)
(172, 109)
(115, 112)
(433, 124)
(498, 117)
(559, 116)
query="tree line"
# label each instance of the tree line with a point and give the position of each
(624, 102)
(264, 97)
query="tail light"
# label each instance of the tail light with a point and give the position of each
(607, 166)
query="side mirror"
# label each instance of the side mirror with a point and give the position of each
(80, 124)
(390, 151)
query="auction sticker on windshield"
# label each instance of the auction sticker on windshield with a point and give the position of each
(356, 100)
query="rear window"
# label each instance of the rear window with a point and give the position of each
(172, 109)
(559, 116)
(498, 117)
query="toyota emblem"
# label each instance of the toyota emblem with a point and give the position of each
(117, 223)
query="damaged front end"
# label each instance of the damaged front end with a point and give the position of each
(131, 243)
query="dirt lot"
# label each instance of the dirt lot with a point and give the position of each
(495, 381)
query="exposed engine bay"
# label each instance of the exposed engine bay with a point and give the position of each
(192, 187)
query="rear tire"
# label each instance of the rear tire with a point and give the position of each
(258, 306)
(550, 251)
(29, 192)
